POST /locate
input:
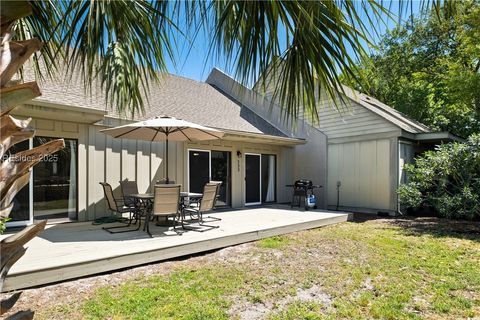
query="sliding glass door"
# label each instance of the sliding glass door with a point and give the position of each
(205, 166)
(21, 213)
(269, 178)
(55, 183)
(220, 169)
(252, 179)
(260, 178)
(199, 170)
(52, 191)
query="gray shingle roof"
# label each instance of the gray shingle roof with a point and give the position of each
(175, 96)
(388, 113)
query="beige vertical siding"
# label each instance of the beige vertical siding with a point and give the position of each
(284, 165)
(103, 158)
(364, 169)
(113, 160)
(308, 161)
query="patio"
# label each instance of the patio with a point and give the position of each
(72, 250)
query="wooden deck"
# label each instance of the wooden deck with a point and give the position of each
(67, 251)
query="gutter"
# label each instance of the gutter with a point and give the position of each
(432, 136)
(261, 136)
(43, 103)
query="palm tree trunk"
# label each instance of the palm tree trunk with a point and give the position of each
(15, 171)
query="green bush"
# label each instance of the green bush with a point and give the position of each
(3, 225)
(447, 180)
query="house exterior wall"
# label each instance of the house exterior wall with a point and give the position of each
(367, 172)
(113, 160)
(350, 120)
(309, 161)
(102, 158)
(284, 170)
(345, 119)
(350, 144)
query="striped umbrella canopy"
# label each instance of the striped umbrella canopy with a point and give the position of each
(166, 129)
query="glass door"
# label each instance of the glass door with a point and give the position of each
(220, 168)
(205, 166)
(198, 170)
(55, 183)
(269, 178)
(253, 179)
(22, 211)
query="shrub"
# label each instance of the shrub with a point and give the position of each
(3, 225)
(447, 180)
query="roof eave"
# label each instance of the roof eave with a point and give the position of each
(443, 136)
(48, 110)
(233, 135)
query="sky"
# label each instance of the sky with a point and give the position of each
(194, 64)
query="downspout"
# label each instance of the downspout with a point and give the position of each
(339, 183)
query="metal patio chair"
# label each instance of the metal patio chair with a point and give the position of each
(166, 203)
(116, 206)
(128, 188)
(207, 203)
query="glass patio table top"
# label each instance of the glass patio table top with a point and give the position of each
(150, 196)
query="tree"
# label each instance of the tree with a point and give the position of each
(430, 69)
(124, 44)
(446, 180)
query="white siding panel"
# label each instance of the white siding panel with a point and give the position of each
(344, 119)
(113, 162)
(129, 153)
(98, 170)
(156, 162)
(96, 146)
(143, 166)
(363, 168)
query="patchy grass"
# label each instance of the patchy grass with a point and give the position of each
(275, 242)
(388, 269)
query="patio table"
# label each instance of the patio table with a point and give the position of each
(144, 202)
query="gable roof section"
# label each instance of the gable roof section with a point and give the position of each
(175, 96)
(388, 113)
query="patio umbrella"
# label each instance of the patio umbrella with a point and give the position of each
(164, 129)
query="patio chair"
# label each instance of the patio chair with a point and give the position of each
(128, 188)
(115, 206)
(166, 203)
(207, 204)
(218, 184)
(196, 203)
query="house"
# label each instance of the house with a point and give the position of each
(356, 154)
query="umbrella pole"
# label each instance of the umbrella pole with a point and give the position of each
(166, 164)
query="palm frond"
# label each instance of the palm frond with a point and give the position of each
(296, 49)
(120, 45)
(312, 42)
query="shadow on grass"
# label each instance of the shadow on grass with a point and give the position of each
(434, 226)
(439, 227)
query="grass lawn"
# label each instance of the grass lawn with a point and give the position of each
(388, 269)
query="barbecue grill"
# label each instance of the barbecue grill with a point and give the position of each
(301, 190)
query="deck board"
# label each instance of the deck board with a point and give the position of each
(67, 251)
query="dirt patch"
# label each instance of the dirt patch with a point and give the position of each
(251, 311)
(258, 310)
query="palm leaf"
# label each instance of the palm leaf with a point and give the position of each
(295, 48)
(119, 45)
